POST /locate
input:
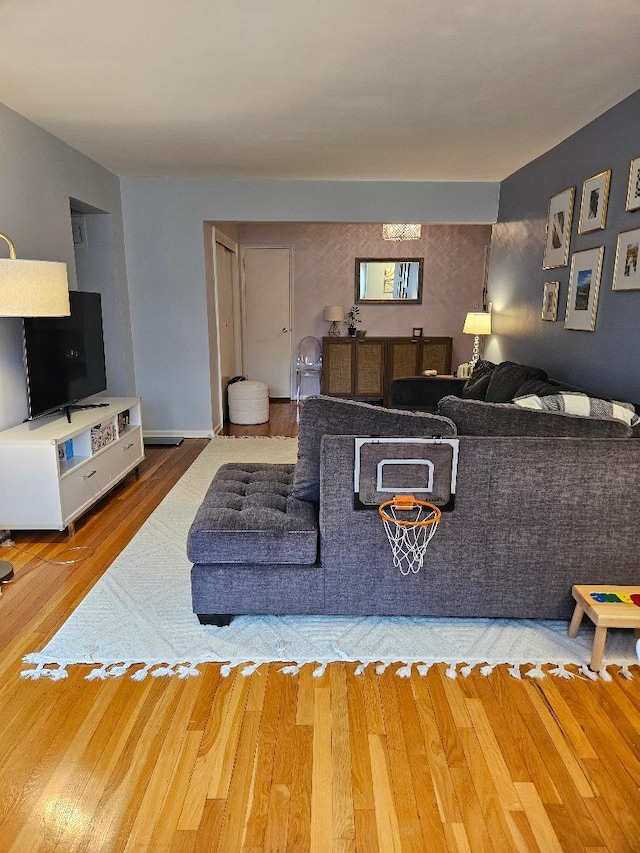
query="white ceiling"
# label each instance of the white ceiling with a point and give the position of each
(412, 90)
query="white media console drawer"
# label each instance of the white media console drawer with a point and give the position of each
(53, 471)
(89, 481)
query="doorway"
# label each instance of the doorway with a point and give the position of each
(266, 287)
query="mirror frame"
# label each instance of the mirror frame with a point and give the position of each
(364, 301)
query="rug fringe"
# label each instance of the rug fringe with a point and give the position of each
(561, 672)
(588, 673)
(454, 669)
(536, 672)
(54, 672)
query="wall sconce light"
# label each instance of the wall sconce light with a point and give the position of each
(334, 314)
(477, 323)
(32, 288)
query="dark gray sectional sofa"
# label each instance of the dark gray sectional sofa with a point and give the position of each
(483, 405)
(534, 514)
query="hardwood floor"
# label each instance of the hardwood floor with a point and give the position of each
(276, 762)
(283, 420)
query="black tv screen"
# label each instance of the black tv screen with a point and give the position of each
(64, 356)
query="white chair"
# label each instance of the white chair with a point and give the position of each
(308, 362)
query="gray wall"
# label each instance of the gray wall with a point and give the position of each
(38, 175)
(96, 271)
(605, 361)
(165, 261)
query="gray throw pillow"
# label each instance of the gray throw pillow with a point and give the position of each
(475, 417)
(332, 416)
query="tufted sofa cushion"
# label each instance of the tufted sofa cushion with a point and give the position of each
(253, 500)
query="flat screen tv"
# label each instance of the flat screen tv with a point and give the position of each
(64, 356)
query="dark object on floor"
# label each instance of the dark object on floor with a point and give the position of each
(6, 571)
(172, 440)
(220, 620)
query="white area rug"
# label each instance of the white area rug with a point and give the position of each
(138, 618)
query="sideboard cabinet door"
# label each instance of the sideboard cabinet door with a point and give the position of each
(337, 367)
(370, 368)
(403, 358)
(435, 354)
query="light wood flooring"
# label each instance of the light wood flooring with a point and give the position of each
(275, 762)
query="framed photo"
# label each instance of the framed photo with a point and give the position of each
(593, 208)
(633, 191)
(584, 284)
(550, 300)
(558, 236)
(417, 332)
(626, 272)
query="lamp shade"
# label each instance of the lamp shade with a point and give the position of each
(33, 288)
(334, 313)
(477, 323)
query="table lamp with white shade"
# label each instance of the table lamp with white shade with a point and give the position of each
(334, 314)
(32, 288)
(477, 323)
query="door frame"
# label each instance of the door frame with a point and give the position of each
(213, 235)
(243, 303)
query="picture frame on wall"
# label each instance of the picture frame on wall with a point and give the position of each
(584, 285)
(595, 198)
(417, 332)
(626, 271)
(550, 300)
(558, 235)
(633, 190)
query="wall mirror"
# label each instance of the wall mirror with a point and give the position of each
(389, 282)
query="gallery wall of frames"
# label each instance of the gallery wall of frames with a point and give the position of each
(586, 265)
(564, 258)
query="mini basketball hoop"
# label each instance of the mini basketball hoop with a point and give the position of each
(409, 536)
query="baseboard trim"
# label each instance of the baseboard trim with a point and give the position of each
(163, 440)
(174, 433)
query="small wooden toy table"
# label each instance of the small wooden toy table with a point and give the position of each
(599, 603)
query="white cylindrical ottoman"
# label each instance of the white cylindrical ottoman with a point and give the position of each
(248, 402)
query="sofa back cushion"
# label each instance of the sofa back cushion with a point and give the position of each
(332, 416)
(474, 417)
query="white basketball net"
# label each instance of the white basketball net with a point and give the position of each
(409, 541)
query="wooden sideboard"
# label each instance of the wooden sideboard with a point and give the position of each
(363, 368)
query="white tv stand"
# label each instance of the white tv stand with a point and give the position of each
(52, 471)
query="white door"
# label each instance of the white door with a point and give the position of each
(267, 317)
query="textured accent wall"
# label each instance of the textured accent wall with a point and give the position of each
(324, 274)
(606, 360)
